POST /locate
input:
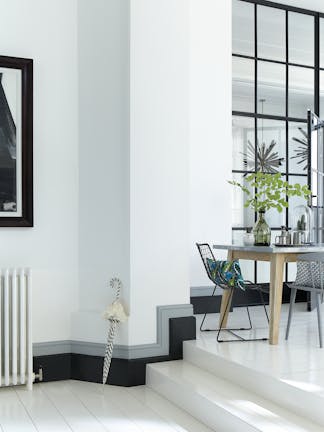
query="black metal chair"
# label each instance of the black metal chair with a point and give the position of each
(206, 253)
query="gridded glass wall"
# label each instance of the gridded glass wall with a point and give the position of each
(278, 74)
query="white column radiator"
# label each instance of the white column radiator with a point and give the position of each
(16, 358)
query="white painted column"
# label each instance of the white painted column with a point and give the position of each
(103, 58)
(160, 122)
(159, 161)
(210, 128)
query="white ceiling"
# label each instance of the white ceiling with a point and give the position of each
(316, 5)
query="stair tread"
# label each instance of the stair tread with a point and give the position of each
(239, 402)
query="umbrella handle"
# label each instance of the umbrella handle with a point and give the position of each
(116, 283)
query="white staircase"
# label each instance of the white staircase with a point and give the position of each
(230, 397)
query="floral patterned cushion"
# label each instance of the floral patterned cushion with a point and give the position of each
(226, 273)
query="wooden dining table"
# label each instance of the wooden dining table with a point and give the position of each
(277, 256)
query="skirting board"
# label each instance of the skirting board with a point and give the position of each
(203, 301)
(160, 348)
(84, 360)
(123, 372)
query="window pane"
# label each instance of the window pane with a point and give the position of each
(271, 33)
(274, 218)
(243, 28)
(292, 270)
(241, 216)
(301, 38)
(271, 146)
(243, 84)
(271, 88)
(263, 269)
(322, 42)
(301, 91)
(247, 267)
(298, 148)
(295, 201)
(263, 272)
(243, 142)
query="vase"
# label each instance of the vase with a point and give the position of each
(261, 231)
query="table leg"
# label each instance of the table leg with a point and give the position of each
(225, 300)
(276, 280)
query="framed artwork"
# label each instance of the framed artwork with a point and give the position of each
(16, 142)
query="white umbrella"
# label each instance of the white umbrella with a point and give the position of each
(116, 314)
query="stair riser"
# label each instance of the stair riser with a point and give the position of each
(300, 402)
(206, 411)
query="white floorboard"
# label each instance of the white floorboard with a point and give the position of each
(299, 357)
(79, 406)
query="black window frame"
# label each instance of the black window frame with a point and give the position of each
(286, 118)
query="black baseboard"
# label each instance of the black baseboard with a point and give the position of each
(122, 372)
(211, 304)
(55, 367)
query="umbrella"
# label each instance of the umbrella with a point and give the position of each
(116, 314)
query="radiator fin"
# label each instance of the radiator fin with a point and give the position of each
(15, 327)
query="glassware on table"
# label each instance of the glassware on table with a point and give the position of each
(261, 231)
(248, 237)
(302, 225)
(284, 238)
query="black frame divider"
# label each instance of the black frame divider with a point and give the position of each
(286, 119)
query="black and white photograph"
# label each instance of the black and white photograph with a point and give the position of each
(16, 194)
(10, 142)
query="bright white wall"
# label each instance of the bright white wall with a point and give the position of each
(103, 36)
(210, 128)
(178, 148)
(46, 31)
(159, 158)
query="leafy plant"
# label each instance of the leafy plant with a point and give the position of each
(271, 191)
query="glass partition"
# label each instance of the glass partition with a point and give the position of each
(278, 75)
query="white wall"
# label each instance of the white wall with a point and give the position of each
(210, 128)
(159, 157)
(46, 31)
(180, 121)
(103, 35)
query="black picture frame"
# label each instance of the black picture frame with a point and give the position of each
(16, 176)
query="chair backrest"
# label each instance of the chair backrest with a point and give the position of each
(312, 257)
(310, 270)
(206, 252)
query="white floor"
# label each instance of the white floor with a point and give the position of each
(298, 360)
(80, 406)
(86, 407)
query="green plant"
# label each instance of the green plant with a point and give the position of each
(301, 223)
(271, 191)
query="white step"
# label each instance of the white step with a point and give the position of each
(220, 404)
(298, 400)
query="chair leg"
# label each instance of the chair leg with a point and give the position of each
(238, 337)
(202, 322)
(249, 316)
(291, 305)
(264, 305)
(225, 312)
(319, 319)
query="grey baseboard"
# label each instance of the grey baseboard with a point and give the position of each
(84, 360)
(123, 372)
(160, 348)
